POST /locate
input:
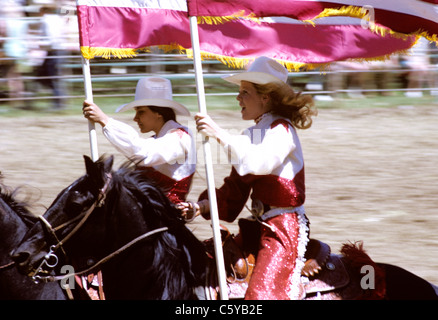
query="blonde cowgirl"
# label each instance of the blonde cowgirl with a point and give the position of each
(268, 164)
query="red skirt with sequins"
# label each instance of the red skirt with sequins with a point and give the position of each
(276, 259)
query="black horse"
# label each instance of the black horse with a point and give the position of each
(126, 225)
(15, 221)
(120, 223)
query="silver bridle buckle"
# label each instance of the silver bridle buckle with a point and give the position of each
(50, 260)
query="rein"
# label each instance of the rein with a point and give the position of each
(7, 265)
(105, 259)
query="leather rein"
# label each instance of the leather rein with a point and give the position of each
(7, 265)
(51, 260)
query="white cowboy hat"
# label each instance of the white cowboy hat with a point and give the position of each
(262, 71)
(155, 91)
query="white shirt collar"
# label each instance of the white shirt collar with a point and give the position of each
(169, 125)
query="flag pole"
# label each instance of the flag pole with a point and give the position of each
(89, 97)
(217, 240)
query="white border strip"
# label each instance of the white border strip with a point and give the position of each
(180, 5)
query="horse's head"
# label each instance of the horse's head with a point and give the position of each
(15, 221)
(44, 242)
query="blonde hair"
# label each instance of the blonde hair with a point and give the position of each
(286, 103)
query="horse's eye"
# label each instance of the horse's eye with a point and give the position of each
(76, 202)
(77, 197)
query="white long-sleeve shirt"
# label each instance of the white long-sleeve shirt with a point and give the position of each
(169, 157)
(267, 159)
(267, 148)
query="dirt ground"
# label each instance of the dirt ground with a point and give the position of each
(371, 175)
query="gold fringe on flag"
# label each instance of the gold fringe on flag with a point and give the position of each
(121, 53)
(225, 19)
(362, 13)
(235, 63)
(231, 62)
(108, 53)
(240, 63)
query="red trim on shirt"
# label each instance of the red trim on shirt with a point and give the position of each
(181, 132)
(175, 190)
(283, 122)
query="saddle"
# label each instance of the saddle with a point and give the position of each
(239, 265)
(330, 276)
(323, 272)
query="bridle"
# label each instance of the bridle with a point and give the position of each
(38, 278)
(51, 260)
(100, 201)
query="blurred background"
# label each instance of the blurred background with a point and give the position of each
(40, 67)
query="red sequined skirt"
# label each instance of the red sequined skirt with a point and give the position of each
(276, 272)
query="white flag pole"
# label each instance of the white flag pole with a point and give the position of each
(89, 97)
(217, 240)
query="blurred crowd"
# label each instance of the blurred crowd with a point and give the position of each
(414, 72)
(36, 36)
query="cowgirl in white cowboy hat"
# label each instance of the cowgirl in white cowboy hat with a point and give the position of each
(169, 157)
(268, 163)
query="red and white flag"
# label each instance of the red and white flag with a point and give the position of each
(123, 27)
(400, 16)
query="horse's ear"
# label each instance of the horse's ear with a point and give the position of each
(108, 164)
(97, 170)
(89, 165)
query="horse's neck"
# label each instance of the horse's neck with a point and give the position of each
(12, 229)
(151, 268)
(125, 276)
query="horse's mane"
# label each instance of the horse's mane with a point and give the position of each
(146, 190)
(8, 195)
(178, 242)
